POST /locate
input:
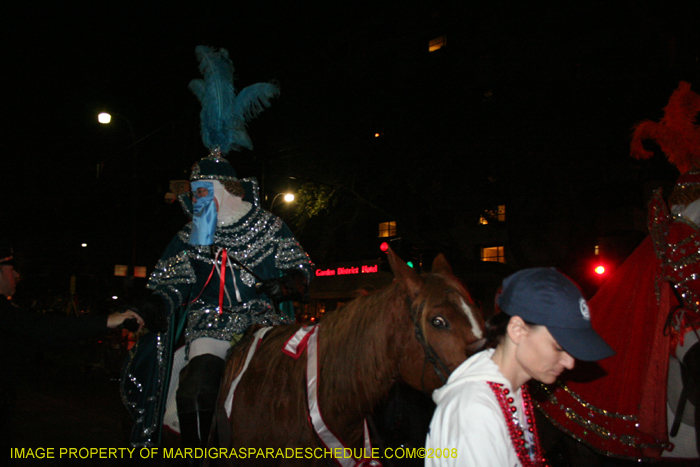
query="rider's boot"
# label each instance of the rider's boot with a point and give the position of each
(196, 399)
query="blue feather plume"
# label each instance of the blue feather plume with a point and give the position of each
(224, 114)
(216, 94)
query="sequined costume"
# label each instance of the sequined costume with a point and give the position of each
(187, 279)
(262, 242)
(623, 413)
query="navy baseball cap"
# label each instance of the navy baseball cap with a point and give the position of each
(547, 297)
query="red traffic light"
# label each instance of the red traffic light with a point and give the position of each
(384, 247)
(600, 269)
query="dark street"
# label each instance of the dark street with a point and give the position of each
(70, 399)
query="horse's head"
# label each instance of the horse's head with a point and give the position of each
(445, 323)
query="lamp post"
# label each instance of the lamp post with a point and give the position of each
(105, 118)
(288, 197)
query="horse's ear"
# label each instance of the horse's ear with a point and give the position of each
(404, 274)
(440, 265)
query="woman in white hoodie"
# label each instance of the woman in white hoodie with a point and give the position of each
(484, 415)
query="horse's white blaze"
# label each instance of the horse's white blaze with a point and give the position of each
(476, 330)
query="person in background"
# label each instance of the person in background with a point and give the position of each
(484, 414)
(24, 332)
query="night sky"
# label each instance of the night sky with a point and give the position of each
(544, 93)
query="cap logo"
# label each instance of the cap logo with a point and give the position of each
(584, 309)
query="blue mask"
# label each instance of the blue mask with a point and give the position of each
(204, 215)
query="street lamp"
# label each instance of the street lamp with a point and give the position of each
(288, 197)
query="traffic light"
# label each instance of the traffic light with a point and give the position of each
(599, 269)
(404, 250)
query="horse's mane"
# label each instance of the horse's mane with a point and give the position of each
(360, 332)
(354, 345)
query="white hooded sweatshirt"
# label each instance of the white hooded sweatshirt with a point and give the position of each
(468, 427)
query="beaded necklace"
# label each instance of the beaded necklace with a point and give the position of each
(517, 435)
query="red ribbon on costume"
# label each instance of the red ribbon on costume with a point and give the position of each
(222, 283)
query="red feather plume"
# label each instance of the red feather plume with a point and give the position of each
(677, 133)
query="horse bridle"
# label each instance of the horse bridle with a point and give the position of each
(431, 356)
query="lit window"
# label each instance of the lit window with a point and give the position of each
(140, 271)
(387, 229)
(596, 250)
(437, 43)
(498, 214)
(501, 216)
(493, 254)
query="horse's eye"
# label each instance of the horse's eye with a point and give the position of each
(439, 322)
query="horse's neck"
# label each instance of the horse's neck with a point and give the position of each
(359, 361)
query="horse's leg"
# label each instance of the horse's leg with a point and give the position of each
(697, 430)
(679, 413)
(404, 419)
(581, 455)
(690, 373)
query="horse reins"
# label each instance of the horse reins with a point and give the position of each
(430, 355)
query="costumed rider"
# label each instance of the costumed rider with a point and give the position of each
(234, 266)
(675, 232)
(674, 225)
(654, 296)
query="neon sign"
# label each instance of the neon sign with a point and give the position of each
(344, 271)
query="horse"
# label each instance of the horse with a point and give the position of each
(416, 330)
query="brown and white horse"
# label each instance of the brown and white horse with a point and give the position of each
(416, 330)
